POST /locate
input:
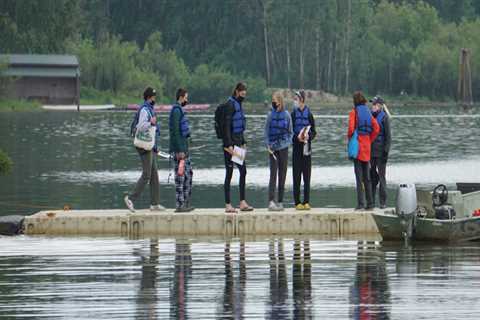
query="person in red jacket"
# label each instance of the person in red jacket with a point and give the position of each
(361, 119)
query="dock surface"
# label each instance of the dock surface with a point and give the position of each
(335, 222)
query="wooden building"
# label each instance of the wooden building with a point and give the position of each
(51, 79)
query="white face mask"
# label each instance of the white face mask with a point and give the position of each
(295, 103)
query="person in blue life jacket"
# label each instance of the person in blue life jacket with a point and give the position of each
(278, 136)
(302, 118)
(380, 150)
(179, 130)
(146, 119)
(234, 125)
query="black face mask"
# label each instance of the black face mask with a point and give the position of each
(152, 103)
(240, 98)
(274, 105)
(184, 103)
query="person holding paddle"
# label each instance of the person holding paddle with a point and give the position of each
(179, 130)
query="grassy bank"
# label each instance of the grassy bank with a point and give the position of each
(19, 105)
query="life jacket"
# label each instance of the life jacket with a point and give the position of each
(364, 120)
(380, 117)
(184, 126)
(238, 119)
(301, 119)
(278, 129)
(136, 117)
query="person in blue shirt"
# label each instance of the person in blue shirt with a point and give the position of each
(146, 119)
(278, 137)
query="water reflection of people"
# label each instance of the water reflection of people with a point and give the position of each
(182, 272)
(302, 281)
(234, 290)
(369, 295)
(147, 297)
(278, 282)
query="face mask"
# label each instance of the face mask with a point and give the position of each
(295, 103)
(240, 98)
(184, 103)
(274, 105)
(152, 103)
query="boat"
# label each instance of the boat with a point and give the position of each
(75, 107)
(439, 215)
(167, 107)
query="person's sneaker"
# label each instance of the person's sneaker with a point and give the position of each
(190, 208)
(359, 208)
(157, 207)
(369, 209)
(383, 206)
(272, 206)
(306, 206)
(280, 206)
(300, 207)
(182, 209)
(129, 204)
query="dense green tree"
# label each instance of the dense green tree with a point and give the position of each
(387, 46)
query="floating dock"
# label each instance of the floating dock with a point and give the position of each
(333, 222)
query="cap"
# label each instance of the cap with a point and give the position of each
(377, 99)
(149, 92)
(300, 94)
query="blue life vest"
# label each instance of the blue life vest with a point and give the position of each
(238, 119)
(301, 119)
(380, 117)
(364, 120)
(184, 126)
(278, 129)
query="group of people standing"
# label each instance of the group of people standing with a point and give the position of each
(282, 129)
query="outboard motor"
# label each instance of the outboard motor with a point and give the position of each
(443, 210)
(406, 208)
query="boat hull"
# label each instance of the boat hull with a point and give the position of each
(392, 227)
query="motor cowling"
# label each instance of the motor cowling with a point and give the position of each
(406, 199)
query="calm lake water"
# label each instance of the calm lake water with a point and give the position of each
(86, 160)
(84, 278)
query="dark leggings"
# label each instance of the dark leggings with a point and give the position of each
(279, 167)
(302, 166)
(377, 173)
(364, 184)
(228, 177)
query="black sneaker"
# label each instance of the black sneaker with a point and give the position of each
(359, 208)
(383, 206)
(369, 209)
(182, 209)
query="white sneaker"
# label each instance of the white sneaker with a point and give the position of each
(157, 207)
(129, 204)
(272, 206)
(280, 206)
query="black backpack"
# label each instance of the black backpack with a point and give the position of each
(220, 120)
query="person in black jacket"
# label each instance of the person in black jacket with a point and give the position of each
(380, 150)
(234, 126)
(302, 118)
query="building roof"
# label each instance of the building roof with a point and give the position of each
(40, 65)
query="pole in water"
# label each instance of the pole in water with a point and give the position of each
(464, 89)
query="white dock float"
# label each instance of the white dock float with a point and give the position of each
(333, 222)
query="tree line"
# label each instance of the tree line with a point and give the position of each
(389, 47)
